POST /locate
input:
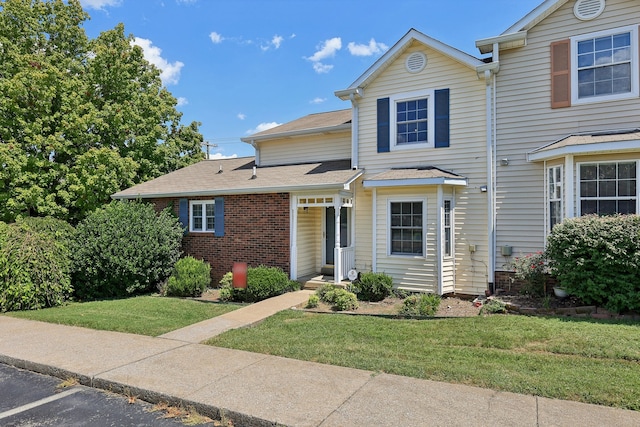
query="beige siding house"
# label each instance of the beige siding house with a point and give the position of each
(567, 113)
(444, 167)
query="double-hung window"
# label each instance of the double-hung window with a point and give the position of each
(407, 227)
(608, 188)
(605, 65)
(412, 120)
(202, 213)
(448, 236)
(554, 182)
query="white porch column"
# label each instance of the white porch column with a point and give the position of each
(568, 186)
(293, 233)
(337, 257)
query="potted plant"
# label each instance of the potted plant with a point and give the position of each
(560, 292)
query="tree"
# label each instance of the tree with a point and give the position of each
(80, 119)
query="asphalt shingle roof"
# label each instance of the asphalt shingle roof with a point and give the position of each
(234, 176)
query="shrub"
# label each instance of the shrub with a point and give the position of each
(420, 305)
(124, 248)
(226, 293)
(493, 306)
(227, 280)
(313, 301)
(262, 283)
(341, 299)
(373, 286)
(532, 269)
(34, 264)
(189, 279)
(323, 290)
(598, 260)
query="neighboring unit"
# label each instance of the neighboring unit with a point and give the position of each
(445, 167)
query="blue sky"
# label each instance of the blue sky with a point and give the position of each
(241, 66)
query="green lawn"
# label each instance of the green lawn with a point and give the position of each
(581, 360)
(144, 315)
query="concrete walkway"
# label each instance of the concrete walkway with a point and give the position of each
(261, 390)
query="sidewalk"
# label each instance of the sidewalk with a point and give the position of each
(261, 390)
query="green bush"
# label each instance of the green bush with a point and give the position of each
(189, 279)
(341, 299)
(313, 301)
(226, 293)
(227, 280)
(494, 306)
(323, 290)
(373, 286)
(124, 248)
(262, 283)
(34, 264)
(532, 269)
(598, 260)
(420, 305)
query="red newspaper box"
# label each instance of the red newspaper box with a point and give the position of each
(239, 272)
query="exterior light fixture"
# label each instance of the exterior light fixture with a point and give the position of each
(483, 188)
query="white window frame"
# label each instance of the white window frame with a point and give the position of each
(595, 162)
(551, 171)
(393, 126)
(203, 216)
(448, 252)
(634, 93)
(424, 226)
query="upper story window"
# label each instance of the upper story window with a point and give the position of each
(604, 66)
(412, 120)
(202, 216)
(608, 188)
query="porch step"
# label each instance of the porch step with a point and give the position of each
(316, 281)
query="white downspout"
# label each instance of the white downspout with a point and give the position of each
(354, 131)
(490, 188)
(494, 174)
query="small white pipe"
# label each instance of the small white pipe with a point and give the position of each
(354, 131)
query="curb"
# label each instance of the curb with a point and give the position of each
(149, 396)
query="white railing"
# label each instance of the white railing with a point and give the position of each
(347, 261)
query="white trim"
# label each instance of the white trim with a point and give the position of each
(293, 244)
(407, 199)
(204, 204)
(569, 188)
(452, 226)
(439, 238)
(374, 231)
(582, 149)
(633, 93)
(393, 113)
(381, 183)
(313, 131)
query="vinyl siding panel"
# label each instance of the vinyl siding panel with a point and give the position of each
(306, 149)
(525, 121)
(363, 227)
(465, 156)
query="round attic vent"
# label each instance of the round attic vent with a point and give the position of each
(416, 62)
(586, 10)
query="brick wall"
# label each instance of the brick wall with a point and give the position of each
(256, 232)
(507, 282)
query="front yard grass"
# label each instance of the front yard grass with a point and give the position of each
(573, 359)
(143, 315)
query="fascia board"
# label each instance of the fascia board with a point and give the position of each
(597, 148)
(382, 183)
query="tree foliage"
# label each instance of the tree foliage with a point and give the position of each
(80, 118)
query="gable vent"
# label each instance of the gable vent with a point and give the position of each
(416, 62)
(586, 10)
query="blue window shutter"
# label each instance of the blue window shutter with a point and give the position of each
(219, 216)
(442, 118)
(183, 214)
(383, 125)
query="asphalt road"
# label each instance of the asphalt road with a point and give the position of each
(31, 399)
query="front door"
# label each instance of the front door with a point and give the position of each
(330, 233)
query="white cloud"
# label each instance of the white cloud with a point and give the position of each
(276, 41)
(242, 116)
(367, 49)
(220, 156)
(318, 100)
(216, 38)
(262, 127)
(99, 4)
(328, 49)
(322, 68)
(169, 72)
(182, 101)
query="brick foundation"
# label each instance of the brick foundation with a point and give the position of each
(506, 281)
(256, 232)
